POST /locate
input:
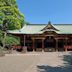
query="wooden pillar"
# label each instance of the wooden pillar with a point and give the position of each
(42, 44)
(24, 40)
(24, 46)
(56, 44)
(66, 43)
(71, 41)
(66, 40)
(33, 45)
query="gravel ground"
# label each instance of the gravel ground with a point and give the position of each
(35, 62)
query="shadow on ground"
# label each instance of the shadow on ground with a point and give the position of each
(66, 68)
(68, 59)
(47, 68)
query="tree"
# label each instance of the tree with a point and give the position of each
(10, 14)
(10, 18)
(12, 40)
(9, 40)
(1, 37)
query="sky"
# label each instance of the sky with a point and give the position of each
(42, 11)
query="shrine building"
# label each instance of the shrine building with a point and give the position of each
(45, 37)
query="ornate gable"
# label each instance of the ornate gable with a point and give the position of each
(49, 27)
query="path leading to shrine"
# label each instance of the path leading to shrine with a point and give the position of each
(37, 62)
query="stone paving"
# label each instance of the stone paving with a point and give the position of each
(33, 62)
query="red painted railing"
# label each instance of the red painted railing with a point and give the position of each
(66, 47)
(17, 47)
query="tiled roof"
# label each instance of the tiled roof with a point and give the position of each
(37, 29)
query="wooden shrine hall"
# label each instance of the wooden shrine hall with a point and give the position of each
(45, 37)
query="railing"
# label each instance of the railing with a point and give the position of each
(17, 47)
(66, 47)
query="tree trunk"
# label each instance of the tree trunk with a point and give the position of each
(4, 39)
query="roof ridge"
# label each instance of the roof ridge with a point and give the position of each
(52, 24)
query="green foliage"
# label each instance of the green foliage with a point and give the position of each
(1, 36)
(10, 18)
(12, 40)
(9, 40)
(10, 14)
